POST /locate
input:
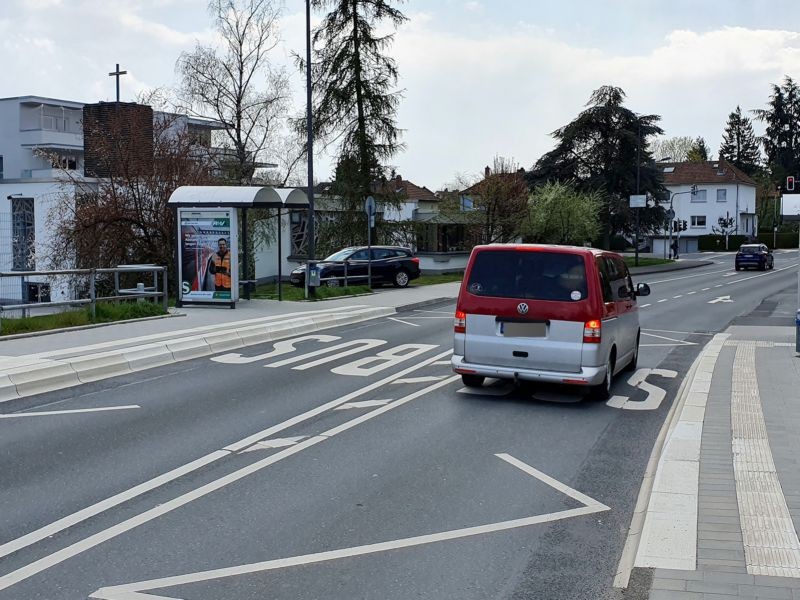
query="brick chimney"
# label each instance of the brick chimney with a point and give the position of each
(487, 171)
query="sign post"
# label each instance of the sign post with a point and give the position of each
(790, 211)
(369, 208)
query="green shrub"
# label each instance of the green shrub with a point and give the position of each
(716, 243)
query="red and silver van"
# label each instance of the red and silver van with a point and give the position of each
(555, 314)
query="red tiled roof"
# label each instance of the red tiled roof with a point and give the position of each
(513, 177)
(712, 171)
(410, 190)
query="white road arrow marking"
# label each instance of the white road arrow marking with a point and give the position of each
(720, 299)
(274, 443)
(363, 404)
(134, 591)
(402, 321)
(49, 413)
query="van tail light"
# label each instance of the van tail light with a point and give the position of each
(592, 331)
(460, 325)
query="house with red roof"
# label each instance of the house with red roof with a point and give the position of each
(721, 191)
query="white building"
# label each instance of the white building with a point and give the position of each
(40, 138)
(722, 192)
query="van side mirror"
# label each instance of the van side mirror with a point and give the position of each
(642, 289)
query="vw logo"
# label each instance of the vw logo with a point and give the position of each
(522, 308)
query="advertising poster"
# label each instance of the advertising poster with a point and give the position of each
(208, 255)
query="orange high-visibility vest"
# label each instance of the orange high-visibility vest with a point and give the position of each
(222, 280)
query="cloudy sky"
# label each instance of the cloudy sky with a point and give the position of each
(481, 77)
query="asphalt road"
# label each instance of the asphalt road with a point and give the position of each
(380, 477)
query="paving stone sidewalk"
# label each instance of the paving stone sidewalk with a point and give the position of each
(749, 492)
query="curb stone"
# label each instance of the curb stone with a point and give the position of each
(47, 376)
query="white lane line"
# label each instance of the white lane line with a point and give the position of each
(673, 331)
(690, 293)
(771, 545)
(363, 404)
(436, 312)
(645, 305)
(662, 300)
(689, 276)
(402, 321)
(669, 339)
(426, 379)
(439, 317)
(705, 289)
(733, 274)
(90, 542)
(48, 413)
(442, 362)
(719, 285)
(678, 296)
(95, 509)
(590, 505)
(761, 274)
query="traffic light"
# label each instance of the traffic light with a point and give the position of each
(790, 183)
(676, 225)
(683, 225)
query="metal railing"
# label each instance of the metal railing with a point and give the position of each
(140, 291)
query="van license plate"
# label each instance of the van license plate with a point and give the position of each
(523, 329)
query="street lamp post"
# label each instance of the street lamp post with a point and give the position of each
(311, 229)
(638, 168)
(671, 213)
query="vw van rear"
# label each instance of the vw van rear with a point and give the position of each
(554, 314)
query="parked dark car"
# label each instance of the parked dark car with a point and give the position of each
(390, 264)
(754, 255)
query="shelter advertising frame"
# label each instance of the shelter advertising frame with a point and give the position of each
(208, 270)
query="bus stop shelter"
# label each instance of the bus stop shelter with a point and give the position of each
(240, 199)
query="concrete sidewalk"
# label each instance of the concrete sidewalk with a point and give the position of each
(723, 517)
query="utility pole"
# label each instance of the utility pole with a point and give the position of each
(311, 229)
(638, 168)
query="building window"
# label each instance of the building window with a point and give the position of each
(698, 221)
(23, 233)
(699, 196)
(1, 167)
(722, 195)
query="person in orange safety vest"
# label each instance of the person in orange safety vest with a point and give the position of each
(220, 267)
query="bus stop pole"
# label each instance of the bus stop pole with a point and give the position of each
(280, 257)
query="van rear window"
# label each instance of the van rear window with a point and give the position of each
(529, 275)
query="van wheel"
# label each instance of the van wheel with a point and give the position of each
(602, 391)
(472, 381)
(631, 366)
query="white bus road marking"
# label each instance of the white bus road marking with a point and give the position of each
(355, 346)
(655, 395)
(370, 365)
(100, 507)
(132, 591)
(719, 299)
(279, 348)
(48, 413)
(96, 539)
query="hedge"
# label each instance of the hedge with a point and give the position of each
(716, 243)
(784, 240)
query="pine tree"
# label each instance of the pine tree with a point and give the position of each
(698, 152)
(354, 100)
(739, 144)
(781, 140)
